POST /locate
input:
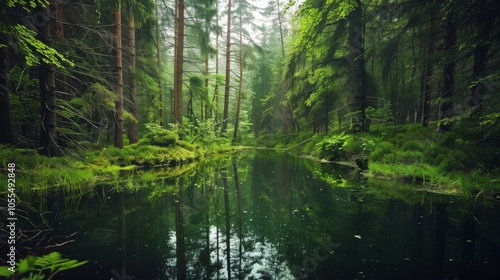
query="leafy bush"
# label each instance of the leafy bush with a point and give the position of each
(381, 149)
(413, 145)
(455, 160)
(332, 148)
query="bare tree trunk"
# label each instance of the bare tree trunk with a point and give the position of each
(208, 111)
(179, 59)
(6, 129)
(118, 137)
(158, 65)
(426, 105)
(356, 69)
(240, 87)
(484, 27)
(216, 90)
(133, 129)
(62, 85)
(287, 111)
(448, 78)
(228, 70)
(48, 131)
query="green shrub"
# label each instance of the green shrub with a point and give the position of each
(455, 160)
(380, 150)
(332, 148)
(414, 145)
(409, 157)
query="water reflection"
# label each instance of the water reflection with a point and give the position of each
(268, 216)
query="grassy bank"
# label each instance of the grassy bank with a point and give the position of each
(159, 154)
(459, 161)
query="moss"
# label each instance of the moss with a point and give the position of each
(160, 137)
(415, 154)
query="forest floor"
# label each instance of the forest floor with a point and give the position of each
(158, 155)
(460, 161)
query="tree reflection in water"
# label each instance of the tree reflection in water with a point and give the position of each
(275, 222)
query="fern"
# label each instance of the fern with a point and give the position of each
(41, 268)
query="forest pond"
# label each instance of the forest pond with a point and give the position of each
(268, 215)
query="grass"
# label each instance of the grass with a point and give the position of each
(160, 149)
(459, 161)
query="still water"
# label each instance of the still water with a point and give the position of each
(265, 215)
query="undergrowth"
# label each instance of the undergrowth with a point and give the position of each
(463, 160)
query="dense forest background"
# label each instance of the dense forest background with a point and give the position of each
(78, 73)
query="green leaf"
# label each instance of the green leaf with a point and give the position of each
(4, 271)
(26, 264)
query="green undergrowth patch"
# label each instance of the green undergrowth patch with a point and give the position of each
(160, 147)
(109, 165)
(463, 160)
(41, 173)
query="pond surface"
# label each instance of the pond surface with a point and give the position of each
(264, 215)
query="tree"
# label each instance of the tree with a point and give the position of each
(356, 68)
(485, 15)
(240, 83)
(118, 118)
(133, 126)
(287, 110)
(7, 135)
(47, 84)
(448, 74)
(225, 114)
(158, 62)
(178, 60)
(427, 73)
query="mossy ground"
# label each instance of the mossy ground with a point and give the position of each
(160, 149)
(459, 161)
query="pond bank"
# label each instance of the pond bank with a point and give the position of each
(439, 161)
(161, 151)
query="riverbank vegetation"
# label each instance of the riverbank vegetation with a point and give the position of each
(460, 161)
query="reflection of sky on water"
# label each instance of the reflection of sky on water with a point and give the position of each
(261, 257)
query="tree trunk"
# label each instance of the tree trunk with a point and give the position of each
(158, 65)
(356, 69)
(6, 129)
(179, 59)
(484, 27)
(118, 136)
(62, 78)
(448, 78)
(48, 131)
(228, 70)
(133, 128)
(208, 110)
(240, 87)
(287, 111)
(216, 89)
(427, 78)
